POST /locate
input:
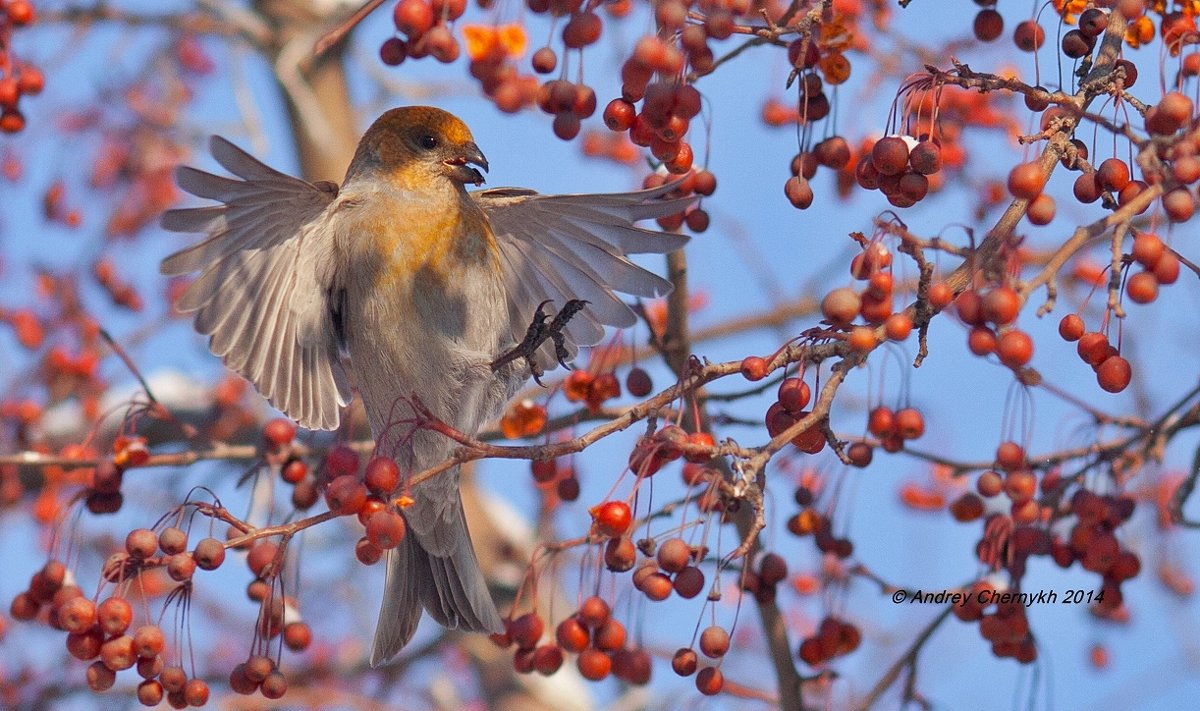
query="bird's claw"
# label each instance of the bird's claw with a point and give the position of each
(539, 332)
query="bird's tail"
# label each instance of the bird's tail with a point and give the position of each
(451, 587)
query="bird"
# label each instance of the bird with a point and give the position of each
(405, 283)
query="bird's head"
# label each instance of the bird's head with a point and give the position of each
(420, 143)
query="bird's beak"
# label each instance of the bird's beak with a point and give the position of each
(468, 155)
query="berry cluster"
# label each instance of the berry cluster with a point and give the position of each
(899, 166)
(810, 522)
(693, 182)
(119, 290)
(833, 638)
(426, 29)
(892, 428)
(591, 389)
(102, 632)
(17, 78)
(763, 583)
(549, 473)
(991, 314)
(591, 632)
(788, 409)
(1010, 539)
(278, 435)
(673, 568)
(368, 496)
(1005, 626)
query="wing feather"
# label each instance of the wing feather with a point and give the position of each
(561, 247)
(263, 294)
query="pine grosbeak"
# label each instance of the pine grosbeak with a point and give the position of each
(422, 285)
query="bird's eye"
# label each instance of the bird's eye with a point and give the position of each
(428, 142)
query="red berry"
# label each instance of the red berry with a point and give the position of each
(1026, 181)
(114, 615)
(714, 642)
(1071, 327)
(174, 679)
(345, 495)
(1113, 174)
(527, 630)
(794, 394)
(567, 488)
(860, 454)
(1029, 36)
(547, 659)
(77, 614)
(889, 155)
(674, 555)
(1093, 348)
(940, 295)
(1166, 271)
(382, 476)
(989, 25)
(195, 692)
(981, 341)
(1148, 249)
(612, 518)
(393, 51)
(754, 368)
(841, 306)
(181, 567)
(1000, 305)
(593, 664)
(367, 552)
(100, 677)
(638, 382)
(340, 461)
(297, 636)
(117, 653)
(413, 17)
(262, 559)
(619, 554)
(657, 586)
(798, 192)
(544, 60)
(1142, 287)
(141, 543)
(610, 636)
(572, 635)
(209, 553)
(910, 424)
(1010, 456)
(294, 471)
(1015, 348)
(1114, 374)
(20, 12)
(148, 641)
(386, 529)
(689, 582)
(684, 662)
(594, 612)
(274, 686)
(710, 681)
(278, 433)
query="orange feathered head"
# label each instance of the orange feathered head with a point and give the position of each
(420, 141)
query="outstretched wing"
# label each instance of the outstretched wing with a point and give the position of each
(561, 247)
(263, 295)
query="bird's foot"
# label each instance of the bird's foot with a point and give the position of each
(543, 329)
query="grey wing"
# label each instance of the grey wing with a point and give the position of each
(264, 293)
(561, 247)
